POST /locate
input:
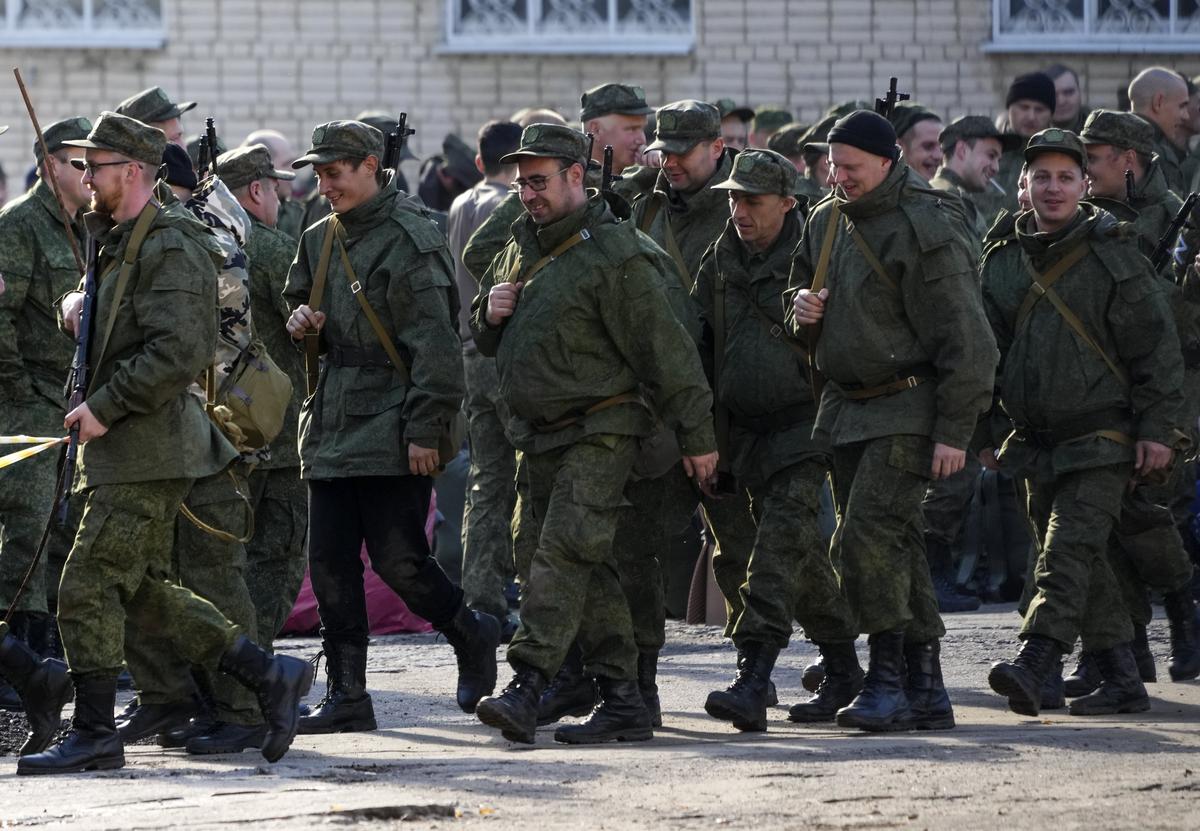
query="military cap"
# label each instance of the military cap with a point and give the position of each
(682, 125)
(244, 165)
(124, 135)
(69, 129)
(607, 99)
(908, 114)
(761, 171)
(152, 105)
(769, 119)
(1124, 130)
(969, 127)
(385, 123)
(816, 139)
(341, 140)
(193, 148)
(729, 109)
(847, 107)
(788, 139)
(1056, 140)
(460, 160)
(550, 141)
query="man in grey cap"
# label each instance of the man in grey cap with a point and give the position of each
(615, 115)
(917, 130)
(971, 151)
(155, 108)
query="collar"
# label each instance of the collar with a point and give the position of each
(882, 199)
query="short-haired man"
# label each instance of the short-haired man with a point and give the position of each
(971, 151)
(1029, 107)
(1070, 112)
(917, 130)
(155, 108)
(1160, 96)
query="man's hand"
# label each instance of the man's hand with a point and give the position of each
(809, 307)
(89, 426)
(72, 309)
(987, 458)
(304, 319)
(421, 460)
(1151, 456)
(947, 460)
(502, 301)
(701, 468)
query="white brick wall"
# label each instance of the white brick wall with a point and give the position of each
(290, 64)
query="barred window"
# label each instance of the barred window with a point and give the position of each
(95, 24)
(1095, 26)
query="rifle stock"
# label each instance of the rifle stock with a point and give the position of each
(1166, 244)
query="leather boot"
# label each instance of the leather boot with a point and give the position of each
(1142, 656)
(570, 692)
(813, 675)
(10, 700)
(152, 719)
(882, 706)
(1184, 619)
(279, 682)
(841, 680)
(180, 736)
(44, 688)
(926, 693)
(223, 737)
(1121, 691)
(1084, 678)
(92, 743)
(744, 702)
(647, 670)
(1054, 696)
(945, 586)
(514, 712)
(475, 637)
(346, 706)
(621, 716)
(1021, 680)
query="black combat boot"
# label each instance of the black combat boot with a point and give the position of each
(841, 680)
(44, 688)
(744, 702)
(1142, 656)
(813, 675)
(1184, 619)
(569, 693)
(223, 737)
(92, 743)
(346, 706)
(621, 716)
(180, 736)
(16, 629)
(148, 719)
(279, 682)
(1084, 678)
(882, 706)
(1021, 680)
(1121, 691)
(515, 711)
(945, 585)
(647, 670)
(926, 693)
(1054, 696)
(475, 637)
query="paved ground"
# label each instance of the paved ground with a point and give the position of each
(439, 768)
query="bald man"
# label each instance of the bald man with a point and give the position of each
(1160, 96)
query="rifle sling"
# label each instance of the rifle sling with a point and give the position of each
(820, 277)
(720, 411)
(669, 242)
(312, 338)
(356, 288)
(562, 248)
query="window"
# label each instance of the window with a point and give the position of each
(1095, 26)
(96, 24)
(663, 27)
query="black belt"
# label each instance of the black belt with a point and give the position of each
(778, 420)
(357, 356)
(1110, 423)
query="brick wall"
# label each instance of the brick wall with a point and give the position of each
(290, 64)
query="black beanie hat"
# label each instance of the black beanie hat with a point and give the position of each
(867, 131)
(179, 167)
(1035, 86)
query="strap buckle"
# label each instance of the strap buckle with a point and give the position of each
(355, 287)
(911, 381)
(584, 233)
(776, 331)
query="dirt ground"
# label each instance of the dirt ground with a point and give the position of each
(433, 766)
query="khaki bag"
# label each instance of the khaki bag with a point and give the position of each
(249, 405)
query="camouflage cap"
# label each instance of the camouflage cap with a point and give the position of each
(608, 99)
(1056, 140)
(728, 108)
(761, 171)
(336, 140)
(969, 127)
(56, 134)
(847, 107)
(788, 140)
(244, 165)
(124, 135)
(385, 123)
(550, 141)
(908, 114)
(816, 139)
(153, 105)
(768, 119)
(1123, 130)
(682, 125)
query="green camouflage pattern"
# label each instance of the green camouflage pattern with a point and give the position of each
(553, 141)
(977, 227)
(291, 218)
(342, 140)
(768, 119)
(127, 136)
(243, 165)
(761, 171)
(681, 125)
(152, 105)
(57, 134)
(1171, 160)
(276, 556)
(613, 98)
(908, 114)
(1124, 131)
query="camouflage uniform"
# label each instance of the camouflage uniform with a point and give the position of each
(1170, 160)
(291, 218)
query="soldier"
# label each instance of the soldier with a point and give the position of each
(155, 108)
(767, 119)
(909, 364)
(917, 130)
(488, 564)
(370, 432)
(1029, 107)
(1160, 97)
(1070, 112)
(735, 124)
(814, 184)
(788, 141)
(291, 210)
(1083, 428)
(615, 115)
(971, 151)
(575, 310)
(759, 379)
(444, 176)
(37, 260)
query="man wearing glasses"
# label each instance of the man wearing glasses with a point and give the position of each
(579, 316)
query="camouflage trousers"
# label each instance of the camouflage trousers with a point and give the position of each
(487, 543)
(879, 543)
(118, 578)
(215, 570)
(276, 556)
(576, 495)
(1076, 594)
(790, 571)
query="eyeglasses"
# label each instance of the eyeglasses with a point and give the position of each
(90, 168)
(537, 183)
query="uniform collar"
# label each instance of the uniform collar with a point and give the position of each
(881, 200)
(369, 214)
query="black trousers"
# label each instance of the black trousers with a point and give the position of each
(388, 513)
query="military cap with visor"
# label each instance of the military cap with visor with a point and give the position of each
(1122, 130)
(122, 134)
(613, 99)
(385, 123)
(768, 119)
(550, 141)
(153, 105)
(243, 165)
(967, 127)
(1056, 140)
(788, 139)
(815, 140)
(728, 108)
(682, 125)
(908, 114)
(60, 132)
(761, 172)
(336, 140)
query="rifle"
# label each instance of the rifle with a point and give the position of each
(203, 155)
(393, 146)
(79, 379)
(1129, 186)
(1166, 244)
(886, 106)
(210, 133)
(606, 174)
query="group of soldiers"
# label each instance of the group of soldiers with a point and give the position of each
(726, 315)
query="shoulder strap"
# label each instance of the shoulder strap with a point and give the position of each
(312, 338)
(672, 247)
(562, 248)
(720, 411)
(356, 289)
(1042, 282)
(870, 257)
(820, 277)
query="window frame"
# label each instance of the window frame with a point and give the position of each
(86, 36)
(1090, 40)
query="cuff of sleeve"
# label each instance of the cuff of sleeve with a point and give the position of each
(698, 441)
(951, 435)
(103, 407)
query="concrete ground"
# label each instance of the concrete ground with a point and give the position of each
(433, 766)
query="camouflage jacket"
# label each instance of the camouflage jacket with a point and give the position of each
(990, 201)
(362, 417)
(596, 322)
(926, 319)
(1048, 378)
(975, 224)
(291, 217)
(1170, 161)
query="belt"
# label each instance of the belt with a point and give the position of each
(1109, 424)
(611, 401)
(778, 420)
(357, 356)
(901, 381)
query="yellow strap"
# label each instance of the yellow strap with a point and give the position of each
(225, 536)
(30, 439)
(19, 455)
(312, 338)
